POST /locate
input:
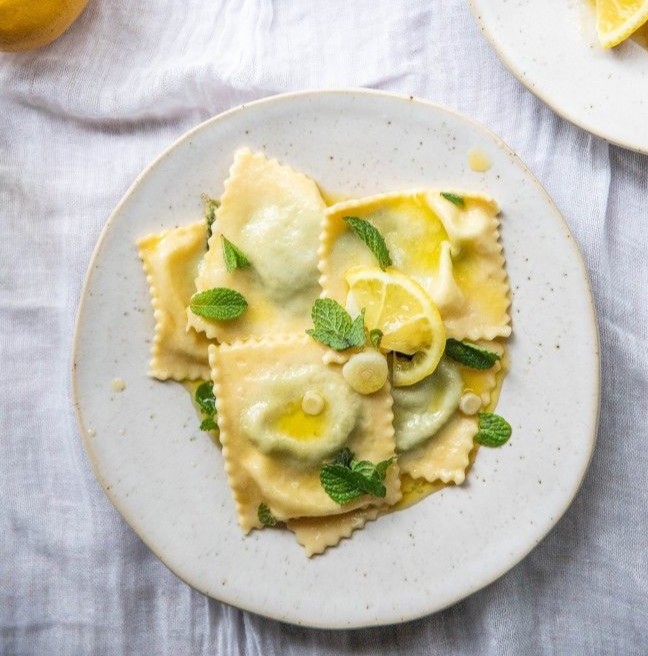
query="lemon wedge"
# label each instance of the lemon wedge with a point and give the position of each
(408, 318)
(616, 20)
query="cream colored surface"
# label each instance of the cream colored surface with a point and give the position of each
(445, 456)
(316, 534)
(170, 260)
(454, 253)
(258, 478)
(274, 215)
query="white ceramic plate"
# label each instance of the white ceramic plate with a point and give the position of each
(551, 47)
(166, 477)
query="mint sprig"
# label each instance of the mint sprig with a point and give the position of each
(455, 199)
(346, 479)
(206, 402)
(265, 516)
(470, 355)
(372, 238)
(493, 430)
(334, 327)
(219, 303)
(210, 205)
(234, 257)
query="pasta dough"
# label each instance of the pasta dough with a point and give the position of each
(445, 456)
(316, 534)
(453, 252)
(289, 489)
(273, 215)
(170, 260)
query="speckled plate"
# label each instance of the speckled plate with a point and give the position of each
(551, 46)
(166, 477)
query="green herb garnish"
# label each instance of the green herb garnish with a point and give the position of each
(372, 238)
(233, 256)
(206, 401)
(219, 303)
(265, 516)
(208, 424)
(455, 199)
(375, 337)
(493, 430)
(334, 327)
(345, 479)
(205, 397)
(210, 205)
(470, 355)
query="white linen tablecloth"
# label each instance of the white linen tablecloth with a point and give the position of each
(80, 119)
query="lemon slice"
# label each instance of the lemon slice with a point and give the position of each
(408, 318)
(616, 20)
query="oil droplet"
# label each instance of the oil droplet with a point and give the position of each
(118, 385)
(91, 432)
(478, 160)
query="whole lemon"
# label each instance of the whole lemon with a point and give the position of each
(28, 24)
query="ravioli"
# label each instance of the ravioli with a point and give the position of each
(453, 252)
(273, 214)
(170, 259)
(290, 488)
(445, 455)
(316, 534)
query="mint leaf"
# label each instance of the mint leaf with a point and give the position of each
(356, 334)
(329, 338)
(344, 457)
(328, 314)
(493, 430)
(334, 327)
(470, 355)
(265, 516)
(233, 256)
(205, 398)
(382, 467)
(206, 402)
(346, 479)
(375, 337)
(455, 199)
(210, 205)
(372, 238)
(343, 484)
(208, 424)
(218, 303)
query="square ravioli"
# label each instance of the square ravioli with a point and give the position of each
(170, 259)
(447, 241)
(432, 433)
(273, 215)
(273, 450)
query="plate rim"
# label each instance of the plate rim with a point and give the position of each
(288, 96)
(521, 77)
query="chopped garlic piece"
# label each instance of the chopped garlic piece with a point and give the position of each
(366, 372)
(470, 403)
(312, 403)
